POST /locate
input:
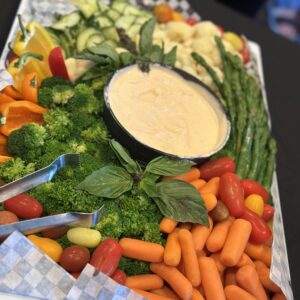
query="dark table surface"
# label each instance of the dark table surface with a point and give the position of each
(281, 61)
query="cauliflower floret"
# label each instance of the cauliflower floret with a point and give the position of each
(206, 28)
(203, 45)
(179, 31)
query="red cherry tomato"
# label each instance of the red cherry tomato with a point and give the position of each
(74, 258)
(191, 21)
(232, 194)
(106, 256)
(253, 187)
(216, 168)
(245, 52)
(119, 276)
(24, 206)
(221, 29)
(7, 217)
(56, 232)
(57, 63)
(260, 232)
(268, 212)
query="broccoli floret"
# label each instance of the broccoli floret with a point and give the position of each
(82, 120)
(58, 123)
(63, 196)
(45, 97)
(84, 100)
(110, 224)
(134, 267)
(152, 234)
(96, 133)
(64, 242)
(14, 169)
(27, 142)
(56, 95)
(51, 82)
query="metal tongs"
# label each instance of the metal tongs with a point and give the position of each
(34, 179)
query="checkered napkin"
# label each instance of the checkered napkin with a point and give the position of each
(25, 270)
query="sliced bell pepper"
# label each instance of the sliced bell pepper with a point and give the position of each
(4, 98)
(57, 63)
(18, 113)
(12, 92)
(3, 139)
(30, 87)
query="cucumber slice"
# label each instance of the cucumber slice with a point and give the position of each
(133, 31)
(67, 21)
(125, 22)
(131, 10)
(110, 33)
(87, 7)
(141, 20)
(103, 7)
(94, 40)
(113, 14)
(83, 38)
(110, 43)
(119, 6)
(103, 21)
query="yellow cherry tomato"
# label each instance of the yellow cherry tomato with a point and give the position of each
(255, 203)
(234, 40)
(176, 16)
(84, 237)
(50, 247)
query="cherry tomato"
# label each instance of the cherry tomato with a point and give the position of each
(119, 276)
(232, 194)
(74, 258)
(24, 206)
(56, 232)
(268, 212)
(163, 12)
(255, 203)
(216, 168)
(106, 256)
(7, 217)
(260, 230)
(253, 187)
(221, 29)
(191, 21)
(245, 52)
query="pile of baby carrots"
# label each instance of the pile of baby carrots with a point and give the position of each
(217, 262)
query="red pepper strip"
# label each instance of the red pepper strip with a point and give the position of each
(57, 63)
(106, 256)
(119, 276)
(191, 21)
(260, 230)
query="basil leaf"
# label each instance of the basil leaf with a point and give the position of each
(156, 54)
(165, 166)
(148, 184)
(170, 57)
(126, 161)
(93, 57)
(106, 50)
(126, 58)
(108, 182)
(146, 34)
(181, 202)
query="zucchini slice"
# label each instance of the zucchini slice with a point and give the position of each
(133, 31)
(125, 22)
(119, 6)
(113, 14)
(103, 21)
(110, 33)
(67, 21)
(131, 10)
(83, 38)
(87, 7)
(94, 40)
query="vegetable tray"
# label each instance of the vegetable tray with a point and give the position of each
(42, 11)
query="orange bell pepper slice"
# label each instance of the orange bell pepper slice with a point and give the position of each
(30, 87)
(3, 139)
(5, 98)
(12, 92)
(18, 113)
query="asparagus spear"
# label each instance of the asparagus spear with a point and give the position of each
(268, 176)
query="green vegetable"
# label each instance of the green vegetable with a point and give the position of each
(64, 242)
(27, 142)
(134, 267)
(56, 95)
(146, 33)
(170, 57)
(268, 176)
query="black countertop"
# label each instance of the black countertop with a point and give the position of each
(281, 61)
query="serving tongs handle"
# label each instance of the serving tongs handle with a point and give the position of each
(26, 183)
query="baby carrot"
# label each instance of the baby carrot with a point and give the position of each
(212, 186)
(180, 267)
(210, 200)
(12, 92)
(189, 256)
(189, 176)
(178, 282)
(234, 292)
(144, 282)
(141, 250)
(278, 296)
(151, 296)
(198, 183)
(247, 278)
(216, 257)
(245, 260)
(211, 280)
(230, 277)
(202, 253)
(264, 276)
(197, 295)
(236, 242)
(165, 291)
(167, 225)
(259, 252)
(217, 237)
(172, 253)
(200, 234)
(186, 225)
